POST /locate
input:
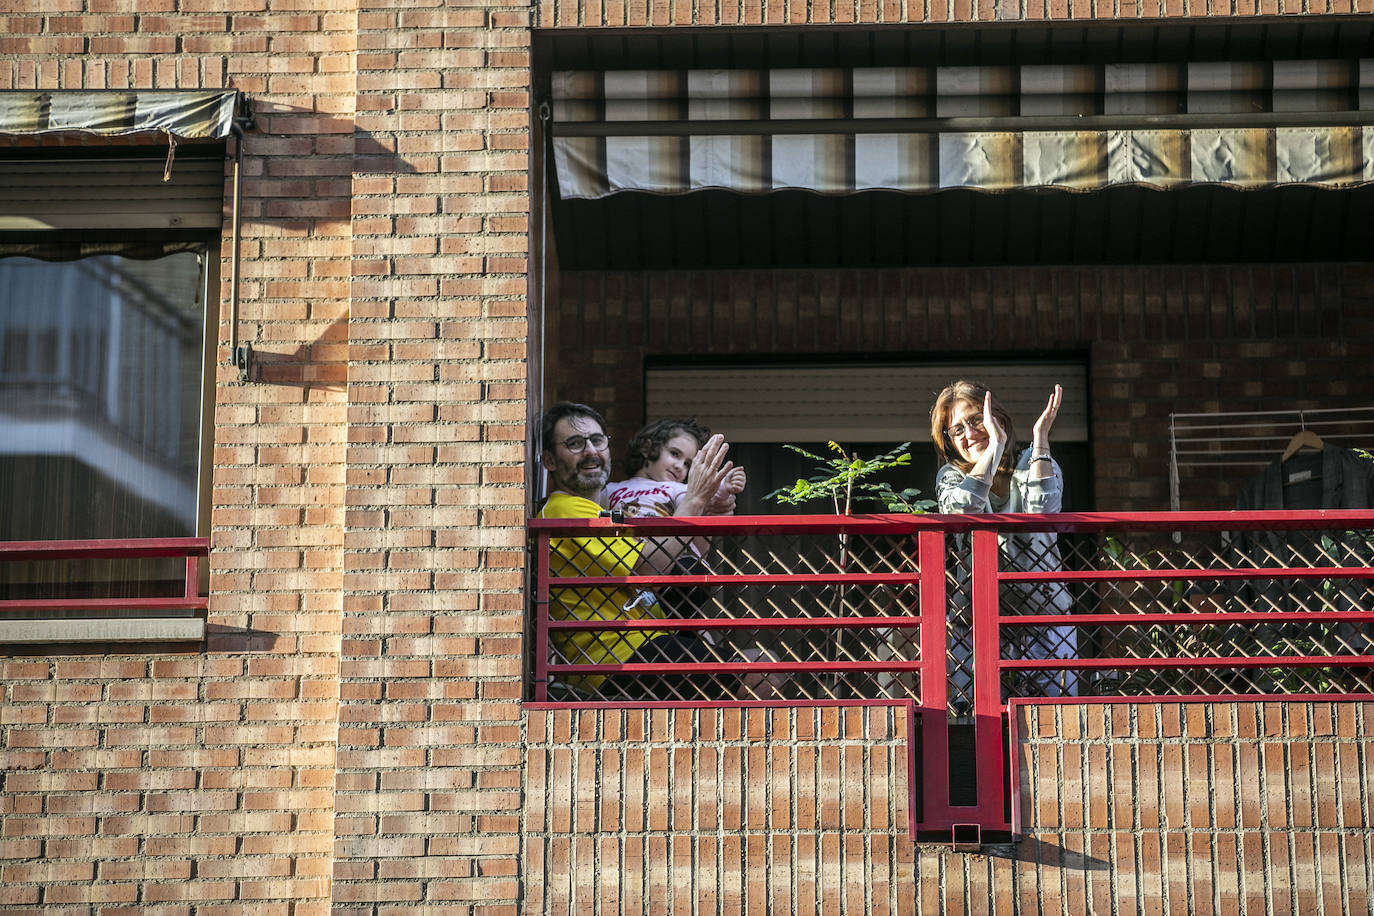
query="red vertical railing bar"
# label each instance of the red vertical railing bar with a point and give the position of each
(934, 714)
(987, 677)
(192, 577)
(543, 543)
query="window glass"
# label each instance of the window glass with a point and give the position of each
(101, 380)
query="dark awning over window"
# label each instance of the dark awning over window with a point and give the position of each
(185, 114)
(1076, 127)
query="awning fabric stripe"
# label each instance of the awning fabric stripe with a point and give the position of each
(185, 114)
(1248, 124)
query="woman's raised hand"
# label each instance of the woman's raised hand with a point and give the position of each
(997, 436)
(1041, 431)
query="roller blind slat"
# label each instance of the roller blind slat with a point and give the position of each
(111, 193)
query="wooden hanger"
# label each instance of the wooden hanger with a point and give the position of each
(1303, 438)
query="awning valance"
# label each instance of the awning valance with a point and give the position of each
(1077, 127)
(185, 114)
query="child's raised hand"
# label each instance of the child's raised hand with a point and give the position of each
(709, 470)
(723, 503)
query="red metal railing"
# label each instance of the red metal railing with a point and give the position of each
(1164, 604)
(753, 573)
(1219, 574)
(53, 580)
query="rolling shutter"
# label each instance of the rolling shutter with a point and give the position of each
(113, 193)
(874, 403)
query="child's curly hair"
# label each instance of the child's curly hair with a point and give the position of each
(647, 444)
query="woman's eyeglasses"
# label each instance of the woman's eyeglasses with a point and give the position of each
(577, 444)
(972, 424)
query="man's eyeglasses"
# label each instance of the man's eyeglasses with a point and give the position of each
(974, 423)
(578, 444)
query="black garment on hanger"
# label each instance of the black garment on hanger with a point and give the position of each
(1334, 478)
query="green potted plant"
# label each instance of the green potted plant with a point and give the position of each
(843, 479)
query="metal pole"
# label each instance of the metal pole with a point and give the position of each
(240, 357)
(721, 128)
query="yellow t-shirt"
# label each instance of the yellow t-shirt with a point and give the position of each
(595, 556)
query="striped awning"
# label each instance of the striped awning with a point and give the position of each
(184, 114)
(1075, 127)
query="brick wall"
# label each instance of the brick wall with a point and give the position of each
(384, 263)
(1218, 807)
(1199, 807)
(430, 735)
(163, 780)
(1158, 340)
(718, 810)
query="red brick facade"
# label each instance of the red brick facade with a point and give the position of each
(1129, 808)
(351, 734)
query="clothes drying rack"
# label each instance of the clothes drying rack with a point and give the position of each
(1256, 438)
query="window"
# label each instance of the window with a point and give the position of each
(109, 267)
(101, 374)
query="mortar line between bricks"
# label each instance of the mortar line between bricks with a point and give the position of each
(1189, 867)
(696, 808)
(794, 807)
(1039, 849)
(1059, 801)
(1266, 831)
(868, 815)
(1360, 761)
(766, 777)
(720, 822)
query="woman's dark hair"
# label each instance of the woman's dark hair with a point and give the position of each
(973, 392)
(647, 444)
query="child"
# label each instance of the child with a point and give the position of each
(658, 459)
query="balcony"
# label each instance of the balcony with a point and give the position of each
(136, 590)
(929, 613)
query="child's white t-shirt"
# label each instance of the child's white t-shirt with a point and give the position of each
(641, 497)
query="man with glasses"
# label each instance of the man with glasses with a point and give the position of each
(576, 453)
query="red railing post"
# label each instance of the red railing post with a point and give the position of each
(543, 544)
(934, 715)
(192, 577)
(987, 675)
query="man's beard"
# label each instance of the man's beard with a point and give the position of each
(584, 481)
